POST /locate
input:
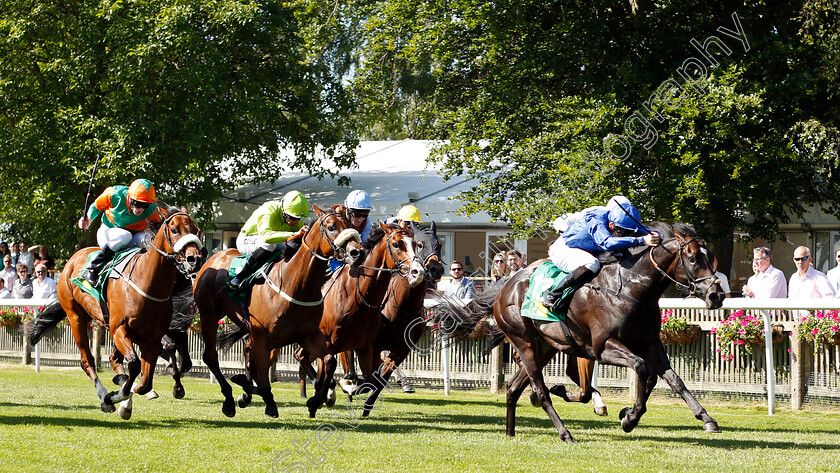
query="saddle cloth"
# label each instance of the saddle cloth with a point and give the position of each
(119, 263)
(546, 276)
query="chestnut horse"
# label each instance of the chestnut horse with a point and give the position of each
(286, 309)
(614, 319)
(402, 317)
(354, 299)
(139, 307)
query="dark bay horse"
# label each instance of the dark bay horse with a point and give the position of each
(139, 307)
(286, 309)
(354, 300)
(402, 317)
(614, 320)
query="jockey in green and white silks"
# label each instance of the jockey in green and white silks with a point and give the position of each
(125, 212)
(267, 230)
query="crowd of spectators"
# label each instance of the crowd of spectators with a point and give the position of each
(20, 264)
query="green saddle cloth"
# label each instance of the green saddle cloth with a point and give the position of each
(544, 278)
(236, 265)
(98, 291)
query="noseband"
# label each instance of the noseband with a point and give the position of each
(338, 252)
(692, 281)
(178, 254)
(398, 265)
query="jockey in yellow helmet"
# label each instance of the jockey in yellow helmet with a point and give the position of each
(125, 210)
(268, 230)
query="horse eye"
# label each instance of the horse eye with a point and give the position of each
(419, 245)
(692, 260)
(396, 245)
(175, 230)
(331, 227)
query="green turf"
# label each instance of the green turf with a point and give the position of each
(51, 421)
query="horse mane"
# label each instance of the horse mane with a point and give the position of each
(376, 235)
(153, 227)
(667, 231)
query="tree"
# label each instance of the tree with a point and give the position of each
(197, 96)
(722, 115)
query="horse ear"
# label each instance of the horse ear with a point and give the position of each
(318, 210)
(385, 227)
(433, 228)
(184, 209)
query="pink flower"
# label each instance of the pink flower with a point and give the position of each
(790, 351)
(835, 328)
(740, 331)
(815, 331)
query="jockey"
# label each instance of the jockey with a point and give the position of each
(613, 228)
(358, 210)
(408, 213)
(127, 209)
(268, 230)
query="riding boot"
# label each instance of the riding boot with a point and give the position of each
(553, 298)
(254, 262)
(92, 274)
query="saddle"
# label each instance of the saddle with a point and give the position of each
(111, 270)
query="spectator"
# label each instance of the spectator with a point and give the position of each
(4, 293)
(13, 252)
(26, 257)
(767, 282)
(808, 282)
(42, 256)
(515, 261)
(724, 283)
(4, 249)
(834, 274)
(8, 273)
(499, 272)
(459, 286)
(23, 285)
(43, 287)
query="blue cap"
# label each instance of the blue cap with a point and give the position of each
(626, 216)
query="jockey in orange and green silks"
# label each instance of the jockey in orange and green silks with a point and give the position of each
(125, 211)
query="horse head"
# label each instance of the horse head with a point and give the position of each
(428, 250)
(691, 266)
(178, 238)
(336, 236)
(401, 255)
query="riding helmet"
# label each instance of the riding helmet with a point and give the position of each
(626, 216)
(358, 200)
(409, 213)
(295, 204)
(142, 190)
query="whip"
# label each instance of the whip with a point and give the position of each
(646, 229)
(90, 184)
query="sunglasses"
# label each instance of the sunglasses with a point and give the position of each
(499, 261)
(623, 232)
(23, 272)
(358, 215)
(456, 269)
(140, 205)
(40, 272)
(294, 219)
(802, 258)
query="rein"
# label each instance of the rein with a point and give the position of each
(398, 269)
(692, 281)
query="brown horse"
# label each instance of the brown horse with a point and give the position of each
(286, 309)
(402, 316)
(614, 320)
(354, 300)
(139, 306)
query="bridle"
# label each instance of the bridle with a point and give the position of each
(339, 253)
(178, 247)
(397, 269)
(692, 281)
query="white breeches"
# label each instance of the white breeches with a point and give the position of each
(249, 244)
(118, 239)
(569, 259)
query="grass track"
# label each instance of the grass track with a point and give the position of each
(51, 421)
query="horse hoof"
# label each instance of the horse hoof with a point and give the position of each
(107, 408)
(124, 413)
(623, 413)
(312, 404)
(271, 411)
(534, 400)
(712, 427)
(120, 379)
(558, 390)
(228, 408)
(600, 410)
(178, 392)
(243, 401)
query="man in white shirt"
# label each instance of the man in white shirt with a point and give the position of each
(459, 287)
(25, 257)
(833, 275)
(43, 286)
(767, 282)
(808, 282)
(4, 293)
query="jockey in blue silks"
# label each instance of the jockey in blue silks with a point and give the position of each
(614, 228)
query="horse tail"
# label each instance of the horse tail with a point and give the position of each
(458, 320)
(46, 319)
(228, 337)
(183, 310)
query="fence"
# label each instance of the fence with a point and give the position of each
(799, 375)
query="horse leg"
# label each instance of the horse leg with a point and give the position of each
(211, 360)
(658, 360)
(347, 383)
(306, 371)
(316, 345)
(580, 370)
(126, 348)
(515, 388)
(246, 380)
(375, 381)
(79, 322)
(616, 353)
(260, 360)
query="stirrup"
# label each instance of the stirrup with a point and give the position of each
(91, 277)
(233, 286)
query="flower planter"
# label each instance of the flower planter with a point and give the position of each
(828, 339)
(10, 323)
(688, 335)
(778, 332)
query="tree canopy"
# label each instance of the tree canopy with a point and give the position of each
(196, 96)
(719, 114)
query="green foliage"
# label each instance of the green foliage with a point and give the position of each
(196, 96)
(741, 329)
(823, 327)
(674, 323)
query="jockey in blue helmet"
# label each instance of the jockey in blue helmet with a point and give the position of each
(613, 228)
(358, 210)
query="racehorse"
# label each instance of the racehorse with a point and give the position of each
(355, 298)
(284, 310)
(614, 319)
(175, 340)
(402, 316)
(139, 307)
